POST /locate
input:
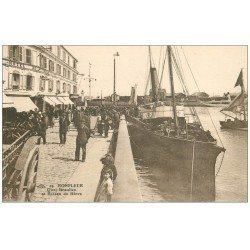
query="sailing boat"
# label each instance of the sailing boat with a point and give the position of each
(236, 110)
(185, 151)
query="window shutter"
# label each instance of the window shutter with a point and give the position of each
(10, 80)
(33, 82)
(10, 51)
(24, 85)
(20, 83)
(40, 84)
(40, 59)
(20, 54)
(25, 55)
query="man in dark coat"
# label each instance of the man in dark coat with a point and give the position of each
(81, 141)
(84, 118)
(42, 127)
(63, 128)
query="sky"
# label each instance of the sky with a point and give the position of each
(215, 68)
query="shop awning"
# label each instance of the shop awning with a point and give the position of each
(55, 100)
(23, 103)
(7, 102)
(61, 99)
(68, 100)
(49, 101)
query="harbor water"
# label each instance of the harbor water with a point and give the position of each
(231, 180)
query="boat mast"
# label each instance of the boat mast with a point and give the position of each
(172, 88)
(243, 93)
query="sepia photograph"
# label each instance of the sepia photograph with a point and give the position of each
(148, 123)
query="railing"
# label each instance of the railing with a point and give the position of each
(12, 152)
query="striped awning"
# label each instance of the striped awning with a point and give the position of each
(55, 100)
(49, 101)
(68, 100)
(61, 99)
(23, 103)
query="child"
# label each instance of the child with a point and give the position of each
(106, 188)
(108, 164)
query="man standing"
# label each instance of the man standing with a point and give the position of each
(63, 127)
(81, 141)
(41, 129)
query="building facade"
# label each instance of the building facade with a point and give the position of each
(46, 75)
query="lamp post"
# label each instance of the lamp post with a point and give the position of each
(89, 78)
(114, 93)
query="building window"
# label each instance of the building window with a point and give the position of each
(74, 63)
(58, 87)
(74, 90)
(64, 87)
(64, 56)
(42, 83)
(74, 77)
(68, 59)
(43, 62)
(69, 89)
(51, 83)
(15, 81)
(58, 69)
(58, 51)
(69, 74)
(29, 82)
(28, 56)
(16, 53)
(64, 72)
(51, 66)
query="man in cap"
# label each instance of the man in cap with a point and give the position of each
(63, 128)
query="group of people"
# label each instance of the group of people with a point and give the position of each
(107, 117)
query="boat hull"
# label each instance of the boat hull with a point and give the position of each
(188, 166)
(234, 124)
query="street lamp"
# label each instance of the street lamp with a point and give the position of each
(89, 78)
(114, 94)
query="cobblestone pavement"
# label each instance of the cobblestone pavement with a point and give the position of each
(57, 165)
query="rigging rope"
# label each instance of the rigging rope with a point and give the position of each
(185, 89)
(147, 74)
(200, 91)
(215, 128)
(163, 66)
(146, 89)
(179, 61)
(190, 69)
(158, 69)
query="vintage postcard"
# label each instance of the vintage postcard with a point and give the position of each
(124, 123)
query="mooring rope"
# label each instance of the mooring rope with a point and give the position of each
(220, 164)
(136, 145)
(192, 175)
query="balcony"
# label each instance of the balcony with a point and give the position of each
(15, 87)
(29, 88)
